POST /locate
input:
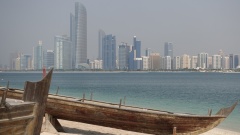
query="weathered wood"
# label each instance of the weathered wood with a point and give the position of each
(130, 118)
(24, 116)
(4, 96)
(52, 125)
(37, 92)
(174, 131)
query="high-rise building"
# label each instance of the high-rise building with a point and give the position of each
(216, 62)
(193, 63)
(48, 58)
(80, 34)
(38, 56)
(134, 54)
(101, 35)
(231, 61)
(210, 62)
(123, 55)
(73, 39)
(168, 49)
(202, 60)
(167, 62)
(176, 62)
(154, 61)
(185, 61)
(225, 62)
(109, 52)
(145, 63)
(25, 62)
(147, 52)
(137, 47)
(62, 53)
(236, 61)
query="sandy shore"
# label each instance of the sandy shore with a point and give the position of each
(76, 128)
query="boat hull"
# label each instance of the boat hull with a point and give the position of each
(128, 117)
(132, 119)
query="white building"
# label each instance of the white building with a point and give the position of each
(202, 60)
(145, 63)
(216, 62)
(62, 53)
(225, 62)
(167, 62)
(193, 62)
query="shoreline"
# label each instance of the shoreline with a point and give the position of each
(78, 128)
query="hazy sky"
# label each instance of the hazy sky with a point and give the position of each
(193, 26)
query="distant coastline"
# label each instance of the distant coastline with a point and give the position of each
(118, 71)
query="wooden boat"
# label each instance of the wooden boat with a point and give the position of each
(24, 115)
(130, 118)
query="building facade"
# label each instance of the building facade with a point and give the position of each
(154, 61)
(202, 60)
(145, 63)
(176, 62)
(62, 53)
(48, 58)
(193, 62)
(38, 56)
(101, 35)
(123, 56)
(185, 61)
(80, 34)
(109, 52)
(216, 62)
(26, 62)
(168, 49)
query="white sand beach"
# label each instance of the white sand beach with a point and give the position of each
(77, 128)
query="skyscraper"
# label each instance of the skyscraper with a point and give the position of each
(154, 61)
(101, 35)
(62, 52)
(176, 62)
(48, 59)
(168, 49)
(109, 52)
(147, 52)
(73, 39)
(202, 60)
(123, 54)
(134, 54)
(25, 62)
(216, 62)
(137, 47)
(80, 34)
(38, 56)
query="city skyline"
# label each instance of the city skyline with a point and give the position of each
(199, 27)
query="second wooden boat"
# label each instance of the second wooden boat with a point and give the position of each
(24, 115)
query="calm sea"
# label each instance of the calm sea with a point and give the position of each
(184, 92)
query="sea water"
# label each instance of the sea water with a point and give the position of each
(182, 92)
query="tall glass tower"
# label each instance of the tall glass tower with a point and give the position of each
(109, 52)
(101, 35)
(81, 34)
(38, 56)
(168, 49)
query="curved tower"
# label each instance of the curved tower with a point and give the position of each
(81, 34)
